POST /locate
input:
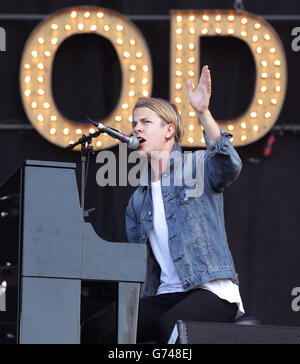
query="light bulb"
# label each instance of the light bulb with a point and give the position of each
(277, 76)
(191, 140)
(267, 115)
(264, 89)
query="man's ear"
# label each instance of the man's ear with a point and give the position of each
(170, 131)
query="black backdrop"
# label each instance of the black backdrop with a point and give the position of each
(261, 208)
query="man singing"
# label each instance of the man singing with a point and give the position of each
(190, 271)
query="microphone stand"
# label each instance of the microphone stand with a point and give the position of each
(86, 148)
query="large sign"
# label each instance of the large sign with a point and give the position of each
(135, 59)
(270, 61)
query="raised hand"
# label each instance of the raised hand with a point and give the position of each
(200, 96)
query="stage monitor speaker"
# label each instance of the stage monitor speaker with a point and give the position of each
(224, 333)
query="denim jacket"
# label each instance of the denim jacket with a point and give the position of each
(194, 214)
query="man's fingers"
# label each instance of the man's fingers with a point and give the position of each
(190, 87)
(189, 84)
(204, 77)
(208, 81)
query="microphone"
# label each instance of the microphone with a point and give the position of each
(132, 141)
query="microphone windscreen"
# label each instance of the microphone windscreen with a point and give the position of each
(134, 143)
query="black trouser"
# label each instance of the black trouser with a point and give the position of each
(158, 315)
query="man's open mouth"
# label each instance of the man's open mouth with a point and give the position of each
(141, 140)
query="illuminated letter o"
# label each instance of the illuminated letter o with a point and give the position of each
(37, 63)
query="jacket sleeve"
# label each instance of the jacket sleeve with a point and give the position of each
(131, 223)
(222, 164)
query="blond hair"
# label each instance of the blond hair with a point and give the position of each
(166, 110)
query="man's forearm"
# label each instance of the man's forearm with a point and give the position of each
(209, 124)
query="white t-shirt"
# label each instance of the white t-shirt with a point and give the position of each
(169, 280)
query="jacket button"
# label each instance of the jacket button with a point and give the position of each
(150, 213)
